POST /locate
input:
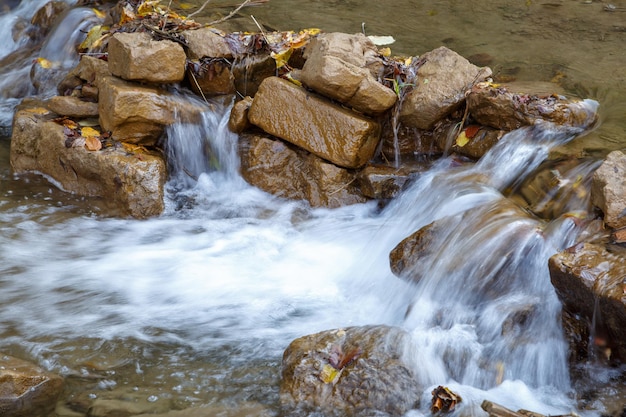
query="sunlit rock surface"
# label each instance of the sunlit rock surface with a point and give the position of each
(72, 107)
(440, 87)
(27, 390)
(590, 280)
(206, 42)
(131, 183)
(331, 132)
(608, 189)
(137, 57)
(278, 168)
(349, 372)
(340, 66)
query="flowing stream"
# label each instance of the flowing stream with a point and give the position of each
(195, 307)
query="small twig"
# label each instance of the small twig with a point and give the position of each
(167, 13)
(189, 16)
(231, 14)
(260, 29)
(343, 187)
(199, 89)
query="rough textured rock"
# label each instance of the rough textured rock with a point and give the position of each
(472, 141)
(590, 280)
(608, 189)
(440, 87)
(139, 114)
(384, 182)
(408, 142)
(290, 112)
(45, 18)
(336, 68)
(355, 371)
(206, 42)
(250, 71)
(504, 108)
(72, 107)
(287, 172)
(27, 390)
(132, 183)
(137, 57)
(85, 75)
(212, 78)
(238, 120)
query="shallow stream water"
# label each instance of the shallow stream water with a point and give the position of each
(195, 307)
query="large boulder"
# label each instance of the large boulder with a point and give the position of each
(511, 107)
(27, 390)
(137, 57)
(608, 189)
(211, 77)
(440, 86)
(206, 42)
(355, 371)
(331, 132)
(131, 182)
(288, 172)
(590, 280)
(337, 67)
(138, 113)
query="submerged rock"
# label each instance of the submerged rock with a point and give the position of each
(27, 390)
(313, 123)
(590, 280)
(275, 167)
(608, 189)
(354, 371)
(131, 182)
(440, 87)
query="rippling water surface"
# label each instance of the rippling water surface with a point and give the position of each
(195, 307)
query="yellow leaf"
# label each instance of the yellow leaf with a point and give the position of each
(99, 14)
(130, 148)
(408, 61)
(88, 132)
(385, 52)
(38, 110)
(462, 139)
(94, 37)
(282, 57)
(329, 375)
(293, 80)
(44, 63)
(92, 143)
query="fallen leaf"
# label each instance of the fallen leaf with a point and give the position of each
(471, 131)
(462, 139)
(329, 374)
(89, 132)
(92, 143)
(382, 40)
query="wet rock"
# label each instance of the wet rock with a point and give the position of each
(336, 68)
(331, 132)
(211, 77)
(288, 172)
(132, 183)
(132, 405)
(440, 87)
(45, 18)
(72, 107)
(385, 182)
(408, 142)
(472, 141)
(27, 390)
(206, 42)
(349, 372)
(590, 280)
(137, 57)
(250, 71)
(403, 257)
(137, 113)
(608, 189)
(238, 121)
(506, 108)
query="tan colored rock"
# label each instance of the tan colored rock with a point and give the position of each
(238, 121)
(212, 78)
(333, 133)
(440, 87)
(72, 107)
(137, 57)
(27, 390)
(507, 108)
(82, 80)
(356, 371)
(608, 189)
(138, 114)
(131, 183)
(384, 181)
(206, 42)
(277, 168)
(590, 280)
(336, 68)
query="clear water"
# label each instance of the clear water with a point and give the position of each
(195, 307)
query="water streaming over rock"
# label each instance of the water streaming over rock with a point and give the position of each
(195, 307)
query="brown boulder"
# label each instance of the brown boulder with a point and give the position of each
(250, 71)
(206, 42)
(139, 114)
(331, 132)
(137, 57)
(238, 120)
(72, 107)
(608, 189)
(131, 182)
(440, 87)
(211, 77)
(27, 390)
(336, 68)
(408, 142)
(384, 181)
(279, 169)
(84, 75)
(590, 280)
(349, 372)
(472, 141)
(505, 108)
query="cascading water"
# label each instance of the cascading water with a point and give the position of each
(195, 308)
